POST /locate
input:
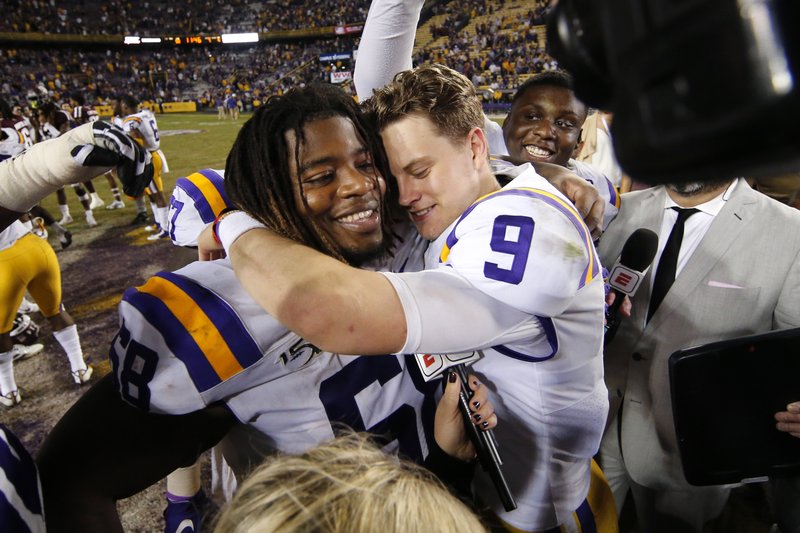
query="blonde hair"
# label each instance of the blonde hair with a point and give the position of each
(443, 95)
(345, 486)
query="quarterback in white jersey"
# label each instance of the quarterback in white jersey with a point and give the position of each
(524, 288)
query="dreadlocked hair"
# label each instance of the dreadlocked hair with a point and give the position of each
(258, 178)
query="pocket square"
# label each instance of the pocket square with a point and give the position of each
(723, 285)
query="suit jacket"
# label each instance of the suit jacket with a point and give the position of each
(743, 278)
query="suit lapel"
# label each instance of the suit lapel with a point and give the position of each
(725, 229)
(649, 216)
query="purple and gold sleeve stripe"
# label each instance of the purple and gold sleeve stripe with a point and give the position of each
(566, 208)
(207, 189)
(200, 328)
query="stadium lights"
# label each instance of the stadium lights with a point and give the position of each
(135, 39)
(228, 38)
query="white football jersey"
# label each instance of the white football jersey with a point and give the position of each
(603, 185)
(517, 277)
(194, 337)
(196, 202)
(48, 131)
(15, 231)
(145, 123)
(12, 144)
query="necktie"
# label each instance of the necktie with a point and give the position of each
(668, 264)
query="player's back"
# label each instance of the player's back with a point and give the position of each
(144, 122)
(194, 337)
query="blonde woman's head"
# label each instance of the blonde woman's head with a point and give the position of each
(347, 486)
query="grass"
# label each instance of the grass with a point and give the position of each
(190, 141)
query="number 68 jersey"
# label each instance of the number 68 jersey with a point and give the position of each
(194, 337)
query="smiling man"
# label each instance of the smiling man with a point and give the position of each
(544, 126)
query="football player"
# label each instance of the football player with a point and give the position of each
(196, 202)
(193, 345)
(511, 272)
(28, 263)
(11, 120)
(141, 125)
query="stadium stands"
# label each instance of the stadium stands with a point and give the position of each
(496, 43)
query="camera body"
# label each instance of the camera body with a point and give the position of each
(700, 89)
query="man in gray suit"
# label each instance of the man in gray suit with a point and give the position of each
(731, 268)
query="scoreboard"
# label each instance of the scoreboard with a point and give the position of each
(192, 40)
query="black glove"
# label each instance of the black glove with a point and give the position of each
(115, 148)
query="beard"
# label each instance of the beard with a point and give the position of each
(695, 188)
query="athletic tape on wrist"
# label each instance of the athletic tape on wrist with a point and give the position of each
(234, 225)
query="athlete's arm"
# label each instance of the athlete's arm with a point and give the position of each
(104, 450)
(583, 195)
(346, 310)
(387, 43)
(336, 307)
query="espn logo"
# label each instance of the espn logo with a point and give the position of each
(432, 365)
(624, 279)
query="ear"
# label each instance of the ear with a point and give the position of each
(479, 146)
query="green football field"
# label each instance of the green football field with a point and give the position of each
(190, 141)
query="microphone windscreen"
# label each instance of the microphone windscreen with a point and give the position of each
(639, 250)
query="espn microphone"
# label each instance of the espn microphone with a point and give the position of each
(628, 272)
(433, 366)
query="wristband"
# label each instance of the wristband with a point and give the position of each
(236, 224)
(215, 224)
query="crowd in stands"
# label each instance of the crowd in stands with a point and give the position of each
(497, 53)
(495, 48)
(163, 74)
(124, 17)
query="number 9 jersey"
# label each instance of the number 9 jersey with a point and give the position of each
(517, 277)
